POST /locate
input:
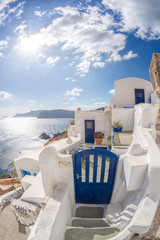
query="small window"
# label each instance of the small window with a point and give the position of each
(83, 169)
(24, 173)
(89, 125)
(139, 94)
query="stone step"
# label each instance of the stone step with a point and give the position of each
(74, 233)
(90, 223)
(89, 212)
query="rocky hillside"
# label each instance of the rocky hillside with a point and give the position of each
(56, 113)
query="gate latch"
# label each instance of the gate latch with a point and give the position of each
(77, 176)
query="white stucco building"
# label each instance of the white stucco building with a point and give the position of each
(133, 194)
(131, 91)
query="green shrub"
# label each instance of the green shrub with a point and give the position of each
(98, 135)
(117, 124)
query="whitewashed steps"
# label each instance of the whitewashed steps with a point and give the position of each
(90, 233)
(89, 212)
(89, 224)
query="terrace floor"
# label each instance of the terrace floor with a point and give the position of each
(10, 228)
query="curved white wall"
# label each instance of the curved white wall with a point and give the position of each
(50, 159)
(28, 164)
(125, 94)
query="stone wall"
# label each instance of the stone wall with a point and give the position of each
(8, 197)
(155, 72)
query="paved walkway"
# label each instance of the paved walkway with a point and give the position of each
(10, 229)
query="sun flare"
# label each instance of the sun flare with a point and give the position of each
(29, 45)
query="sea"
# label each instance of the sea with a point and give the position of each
(19, 136)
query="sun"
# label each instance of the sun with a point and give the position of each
(29, 45)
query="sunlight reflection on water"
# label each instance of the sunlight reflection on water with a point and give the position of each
(20, 135)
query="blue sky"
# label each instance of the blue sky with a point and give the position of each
(67, 54)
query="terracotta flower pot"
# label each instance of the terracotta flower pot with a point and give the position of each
(98, 141)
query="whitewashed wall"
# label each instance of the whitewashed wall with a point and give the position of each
(53, 172)
(102, 122)
(125, 94)
(149, 116)
(125, 116)
(139, 206)
(29, 162)
(56, 215)
(154, 98)
(112, 101)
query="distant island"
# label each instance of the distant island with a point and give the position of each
(56, 113)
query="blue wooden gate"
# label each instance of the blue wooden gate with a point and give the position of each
(139, 96)
(89, 130)
(94, 175)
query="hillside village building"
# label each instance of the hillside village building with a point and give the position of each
(89, 191)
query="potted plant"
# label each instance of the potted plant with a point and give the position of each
(72, 122)
(117, 126)
(109, 145)
(98, 137)
(73, 129)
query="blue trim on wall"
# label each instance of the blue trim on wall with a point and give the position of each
(24, 172)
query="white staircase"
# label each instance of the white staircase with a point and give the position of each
(89, 224)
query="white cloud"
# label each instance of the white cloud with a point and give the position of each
(41, 55)
(39, 13)
(99, 64)
(73, 98)
(67, 78)
(99, 104)
(31, 102)
(6, 10)
(3, 44)
(89, 34)
(142, 16)
(5, 95)
(52, 60)
(74, 92)
(20, 29)
(5, 3)
(70, 79)
(115, 57)
(112, 91)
